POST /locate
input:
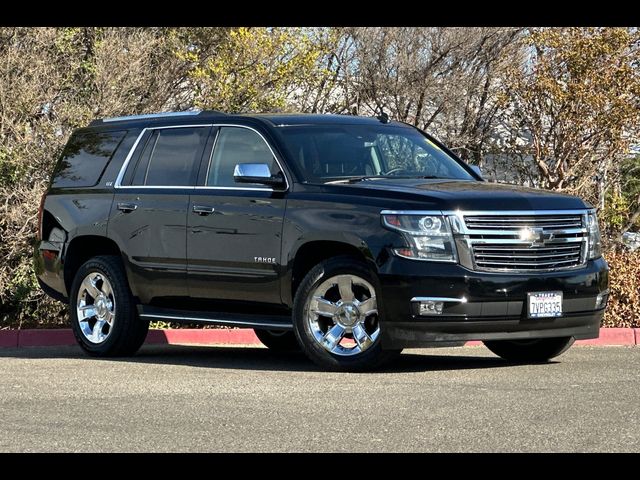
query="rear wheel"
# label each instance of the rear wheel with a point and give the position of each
(536, 350)
(336, 316)
(103, 313)
(278, 340)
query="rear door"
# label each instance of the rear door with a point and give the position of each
(149, 214)
(234, 230)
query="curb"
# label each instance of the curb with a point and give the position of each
(614, 336)
(187, 336)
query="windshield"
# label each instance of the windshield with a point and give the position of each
(334, 152)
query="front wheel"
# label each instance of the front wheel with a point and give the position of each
(336, 318)
(536, 350)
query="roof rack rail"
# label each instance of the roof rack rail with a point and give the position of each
(154, 115)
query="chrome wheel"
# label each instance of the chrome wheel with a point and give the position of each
(96, 307)
(342, 314)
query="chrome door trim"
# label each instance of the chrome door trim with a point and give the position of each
(242, 323)
(118, 183)
(439, 299)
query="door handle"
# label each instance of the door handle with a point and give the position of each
(203, 209)
(127, 207)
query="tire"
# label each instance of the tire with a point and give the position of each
(104, 318)
(538, 350)
(345, 286)
(278, 340)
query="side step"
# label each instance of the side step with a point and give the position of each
(240, 320)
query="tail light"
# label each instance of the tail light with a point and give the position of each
(40, 212)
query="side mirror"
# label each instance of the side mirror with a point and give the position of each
(257, 173)
(477, 170)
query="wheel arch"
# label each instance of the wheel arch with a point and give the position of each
(309, 254)
(82, 248)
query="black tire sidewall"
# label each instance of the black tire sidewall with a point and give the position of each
(284, 342)
(127, 329)
(367, 360)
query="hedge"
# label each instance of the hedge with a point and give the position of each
(624, 284)
(36, 310)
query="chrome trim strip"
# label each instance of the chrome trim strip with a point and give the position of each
(248, 324)
(514, 231)
(577, 211)
(542, 254)
(256, 189)
(213, 149)
(123, 169)
(411, 212)
(501, 241)
(393, 250)
(439, 299)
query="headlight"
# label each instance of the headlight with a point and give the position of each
(595, 243)
(428, 237)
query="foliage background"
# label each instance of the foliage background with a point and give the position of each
(557, 108)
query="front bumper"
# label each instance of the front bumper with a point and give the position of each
(494, 307)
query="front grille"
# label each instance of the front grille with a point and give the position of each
(525, 242)
(497, 222)
(537, 258)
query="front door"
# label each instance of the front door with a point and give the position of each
(149, 214)
(234, 230)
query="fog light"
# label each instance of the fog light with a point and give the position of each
(601, 300)
(431, 307)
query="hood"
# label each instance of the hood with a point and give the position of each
(445, 194)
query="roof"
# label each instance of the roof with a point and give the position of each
(287, 119)
(274, 119)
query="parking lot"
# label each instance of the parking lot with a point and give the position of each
(178, 398)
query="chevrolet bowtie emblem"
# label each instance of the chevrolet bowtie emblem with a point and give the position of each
(536, 236)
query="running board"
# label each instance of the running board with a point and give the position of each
(239, 320)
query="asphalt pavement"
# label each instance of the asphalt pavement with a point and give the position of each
(239, 399)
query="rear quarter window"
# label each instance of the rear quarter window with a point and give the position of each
(85, 157)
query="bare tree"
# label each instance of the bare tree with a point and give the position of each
(575, 106)
(441, 79)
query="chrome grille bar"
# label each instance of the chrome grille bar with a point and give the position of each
(521, 241)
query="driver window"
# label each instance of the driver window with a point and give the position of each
(236, 145)
(402, 154)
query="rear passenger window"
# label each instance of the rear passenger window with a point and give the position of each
(84, 158)
(171, 157)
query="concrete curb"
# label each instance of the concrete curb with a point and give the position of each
(614, 336)
(186, 336)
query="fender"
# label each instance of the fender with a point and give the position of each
(337, 224)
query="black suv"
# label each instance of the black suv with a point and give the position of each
(348, 237)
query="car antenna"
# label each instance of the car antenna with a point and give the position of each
(382, 116)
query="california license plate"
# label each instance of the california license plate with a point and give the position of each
(545, 304)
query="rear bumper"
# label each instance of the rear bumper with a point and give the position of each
(491, 306)
(48, 267)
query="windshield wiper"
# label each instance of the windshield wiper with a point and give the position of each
(354, 179)
(387, 177)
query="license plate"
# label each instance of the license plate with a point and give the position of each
(545, 304)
